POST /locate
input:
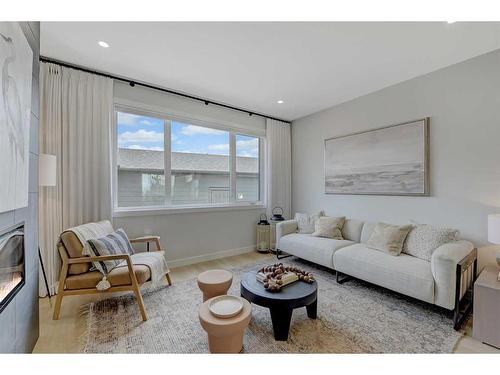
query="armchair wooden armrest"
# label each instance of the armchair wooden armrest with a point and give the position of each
(100, 258)
(147, 240)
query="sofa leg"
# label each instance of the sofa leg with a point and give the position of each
(280, 256)
(344, 279)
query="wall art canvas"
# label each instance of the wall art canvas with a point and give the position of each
(16, 60)
(388, 161)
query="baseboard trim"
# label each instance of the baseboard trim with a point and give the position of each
(210, 256)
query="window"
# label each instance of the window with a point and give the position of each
(200, 169)
(140, 160)
(247, 168)
(164, 161)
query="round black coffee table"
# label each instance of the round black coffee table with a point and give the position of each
(281, 304)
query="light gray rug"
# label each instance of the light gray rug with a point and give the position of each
(354, 317)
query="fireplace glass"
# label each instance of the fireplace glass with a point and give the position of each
(11, 263)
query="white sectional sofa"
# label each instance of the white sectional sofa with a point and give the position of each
(431, 281)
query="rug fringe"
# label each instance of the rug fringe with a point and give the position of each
(87, 324)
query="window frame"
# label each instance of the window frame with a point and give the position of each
(168, 207)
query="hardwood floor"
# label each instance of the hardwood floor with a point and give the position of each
(63, 335)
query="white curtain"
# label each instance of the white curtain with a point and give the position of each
(279, 166)
(76, 110)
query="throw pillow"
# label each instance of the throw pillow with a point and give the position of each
(305, 222)
(114, 243)
(329, 227)
(388, 238)
(423, 239)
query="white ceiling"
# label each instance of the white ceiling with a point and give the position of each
(311, 66)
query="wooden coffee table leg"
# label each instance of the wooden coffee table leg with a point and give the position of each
(312, 309)
(281, 318)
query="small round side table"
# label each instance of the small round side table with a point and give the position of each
(214, 283)
(225, 335)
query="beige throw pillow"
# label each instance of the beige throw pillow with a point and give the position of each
(388, 238)
(329, 227)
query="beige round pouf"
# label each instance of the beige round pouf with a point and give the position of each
(214, 283)
(225, 335)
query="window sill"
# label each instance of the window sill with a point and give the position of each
(149, 211)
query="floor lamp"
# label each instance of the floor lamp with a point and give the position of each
(46, 178)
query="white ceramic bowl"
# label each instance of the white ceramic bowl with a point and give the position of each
(225, 306)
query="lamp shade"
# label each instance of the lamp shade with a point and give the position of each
(47, 170)
(494, 228)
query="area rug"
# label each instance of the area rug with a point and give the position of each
(355, 317)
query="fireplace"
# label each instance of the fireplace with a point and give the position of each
(12, 276)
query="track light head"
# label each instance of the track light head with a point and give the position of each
(132, 84)
(207, 102)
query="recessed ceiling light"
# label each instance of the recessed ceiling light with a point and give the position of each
(450, 22)
(103, 44)
(280, 101)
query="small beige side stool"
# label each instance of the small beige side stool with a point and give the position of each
(214, 283)
(225, 335)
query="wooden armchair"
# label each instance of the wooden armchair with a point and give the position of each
(76, 277)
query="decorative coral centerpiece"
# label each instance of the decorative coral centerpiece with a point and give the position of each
(277, 276)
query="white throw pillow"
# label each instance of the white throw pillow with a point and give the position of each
(423, 239)
(329, 227)
(388, 238)
(305, 222)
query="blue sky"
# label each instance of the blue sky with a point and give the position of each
(146, 133)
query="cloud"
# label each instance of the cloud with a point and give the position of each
(140, 136)
(128, 118)
(248, 147)
(142, 147)
(190, 130)
(220, 147)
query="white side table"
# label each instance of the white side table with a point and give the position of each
(486, 323)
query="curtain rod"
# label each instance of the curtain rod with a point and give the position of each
(132, 83)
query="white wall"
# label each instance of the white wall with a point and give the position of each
(197, 236)
(463, 102)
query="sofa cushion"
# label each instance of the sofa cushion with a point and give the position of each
(352, 230)
(423, 239)
(388, 238)
(367, 231)
(404, 273)
(306, 222)
(314, 249)
(329, 227)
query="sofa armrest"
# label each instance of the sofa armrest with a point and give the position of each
(444, 262)
(285, 227)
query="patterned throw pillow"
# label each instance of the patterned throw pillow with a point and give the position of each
(329, 227)
(305, 222)
(112, 244)
(388, 238)
(423, 239)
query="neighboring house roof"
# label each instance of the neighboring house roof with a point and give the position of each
(148, 160)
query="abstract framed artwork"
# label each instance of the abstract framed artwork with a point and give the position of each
(393, 160)
(16, 60)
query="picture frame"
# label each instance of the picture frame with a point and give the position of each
(390, 160)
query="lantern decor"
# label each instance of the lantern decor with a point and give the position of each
(275, 219)
(263, 234)
(277, 276)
